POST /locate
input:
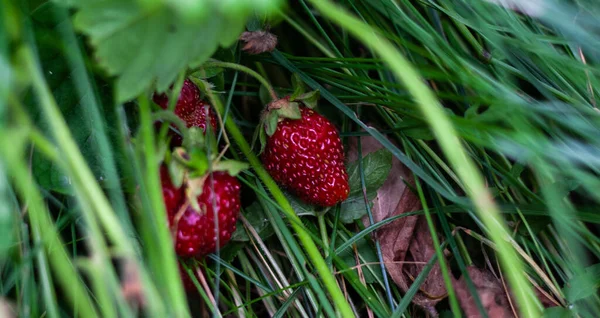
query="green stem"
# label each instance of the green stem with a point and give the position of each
(241, 68)
(323, 228)
(169, 116)
(309, 245)
(451, 145)
(75, 163)
(42, 224)
(88, 192)
(165, 243)
(45, 275)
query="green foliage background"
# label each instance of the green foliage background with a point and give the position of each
(493, 110)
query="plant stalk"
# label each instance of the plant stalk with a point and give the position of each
(241, 68)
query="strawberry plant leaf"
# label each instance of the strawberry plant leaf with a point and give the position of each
(583, 285)
(141, 45)
(301, 208)
(354, 207)
(557, 312)
(257, 218)
(376, 167)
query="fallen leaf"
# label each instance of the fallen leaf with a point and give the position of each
(258, 41)
(406, 243)
(491, 293)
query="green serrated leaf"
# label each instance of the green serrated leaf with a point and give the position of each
(309, 99)
(257, 218)
(300, 207)
(141, 45)
(376, 166)
(271, 122)
(583, 285)
(291, 111)
(231, 166)
(298, 86)
(557, 312)
(354, 208)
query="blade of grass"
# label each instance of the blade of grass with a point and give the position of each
(39, 217)
(440, 254)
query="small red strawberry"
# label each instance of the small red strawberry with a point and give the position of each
(196, 232)
(304, 153)
(190, 108)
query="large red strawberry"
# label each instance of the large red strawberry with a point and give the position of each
(194, 111)
(196, 232)
(304, 153)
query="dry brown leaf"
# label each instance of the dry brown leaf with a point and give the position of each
(407, 246)
(258, 41)
(491, 293)
(406, 243)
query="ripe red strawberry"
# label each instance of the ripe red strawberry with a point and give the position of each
(306, 156)
(190, 108)
(197, 232)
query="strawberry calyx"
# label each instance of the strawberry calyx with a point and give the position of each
(287, 107)
(191, 169)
